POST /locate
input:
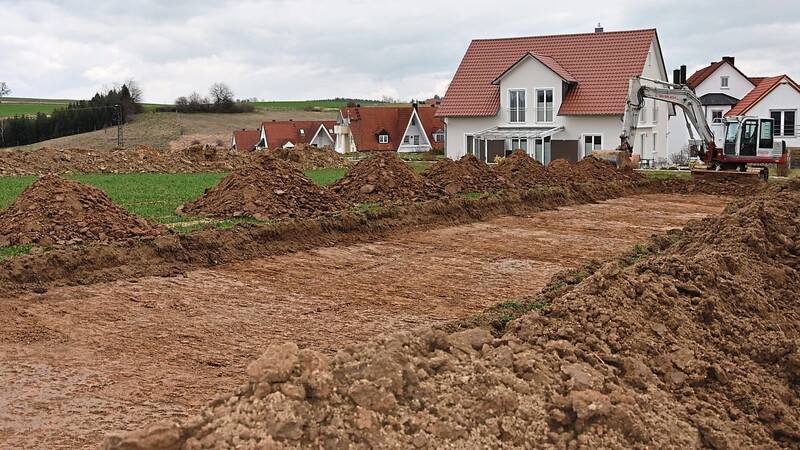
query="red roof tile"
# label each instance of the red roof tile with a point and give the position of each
(602, 63)
(279, 133)
(367, 122)
(549, 62)
(701, 75)
(758, 93)
(756, 80)
(246, 140)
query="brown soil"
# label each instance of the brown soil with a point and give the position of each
(696, 346)
(54, 211)
(591, 169)
(269, 189)
(307, 157)
(468, 174)
(522, 170)
(383, 177)
(562, 171)
(80, 361)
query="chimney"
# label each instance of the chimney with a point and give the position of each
(683, 74)
(729, 59)
(414, 104)
(676, 76)
(290, 120)
(598, 28)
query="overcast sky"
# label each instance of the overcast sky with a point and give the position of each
(303, 49)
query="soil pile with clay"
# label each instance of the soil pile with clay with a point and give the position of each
(56, 211)
(382, 178)
(561, 171)
(591, 169)
(307, 157)
(694, 346)
(196, 158)
(268, 189)
(468, 174)
(523, 171)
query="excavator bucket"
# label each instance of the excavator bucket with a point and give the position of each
(752, 176)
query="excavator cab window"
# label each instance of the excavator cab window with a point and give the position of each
(765, 135)
(749, 137)
(731, 132)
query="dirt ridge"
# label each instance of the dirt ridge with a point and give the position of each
(696, 346)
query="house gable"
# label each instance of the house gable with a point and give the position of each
(780, 86)
(601, 62)
(415, 139)
(245, 140)
(288, 134)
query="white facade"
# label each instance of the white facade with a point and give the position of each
(323, 138)
(580, 133)
(415, 139)
(783, 98)
(724, 80)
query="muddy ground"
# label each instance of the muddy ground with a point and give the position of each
(81, 361)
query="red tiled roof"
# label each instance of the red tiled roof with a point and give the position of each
(279, 133)
(246, 140)
(549, 62)
(366, 122)
(431, 123)
(701, 75)
(756, 80)
(602, 63)
(758, 93)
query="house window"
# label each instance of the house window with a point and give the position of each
(723, 82)
(784, 122)
(716, 116)
(519, 143)
(438, 136)
(643, 114)
(643, 140)
(592, 142)
(655, 114)
(383, 139)
(470, 141)
(516, 101)
(544, 105)
(542, 150)
(655, 144)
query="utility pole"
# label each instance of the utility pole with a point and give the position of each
(120, 138)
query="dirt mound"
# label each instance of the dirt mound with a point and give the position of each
(57, 211)
(590, 169)
(307, 157)
(382, 178)
(698, 346)
(269, 189)
(561, 171)
(523, 171)
(468, 174)
(196, 158)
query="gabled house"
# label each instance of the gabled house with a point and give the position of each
(553, 96)
(383, 128)
(725, 91)
(291, 133)
(245, 140)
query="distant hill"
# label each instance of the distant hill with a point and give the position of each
(17, 106)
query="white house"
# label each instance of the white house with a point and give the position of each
(403, 129)
(553, 96)
(291, 133)
(725, 91)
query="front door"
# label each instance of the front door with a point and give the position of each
(494, 149)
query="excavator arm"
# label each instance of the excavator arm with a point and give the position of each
(676, 94)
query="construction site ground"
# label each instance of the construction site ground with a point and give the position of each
(81, 361)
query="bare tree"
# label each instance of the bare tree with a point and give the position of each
(182, 101)
(196, 99)
(134, 89)
(221, 93)
(4, 90)
(681, 158)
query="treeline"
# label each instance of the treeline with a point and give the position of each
(220, 100)
(78, 117)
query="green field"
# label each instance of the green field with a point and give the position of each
(24, 109)
(151, 195)
(307, 104)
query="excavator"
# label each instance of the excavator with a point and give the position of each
(749, 141)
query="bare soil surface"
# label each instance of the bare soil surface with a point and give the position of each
(79, 362)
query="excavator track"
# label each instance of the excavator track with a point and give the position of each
(753, 175)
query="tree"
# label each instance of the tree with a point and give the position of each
(220, 93)
(4, 90)
(134, 89)
(195, 99)
(681, 158)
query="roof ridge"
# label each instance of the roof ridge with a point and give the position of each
(563, 35)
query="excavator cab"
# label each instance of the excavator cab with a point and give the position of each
(750, 137)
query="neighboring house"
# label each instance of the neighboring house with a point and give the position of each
(553, 96)
(245, 140)
(291, 133)
(725, 91)
(384, 128)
